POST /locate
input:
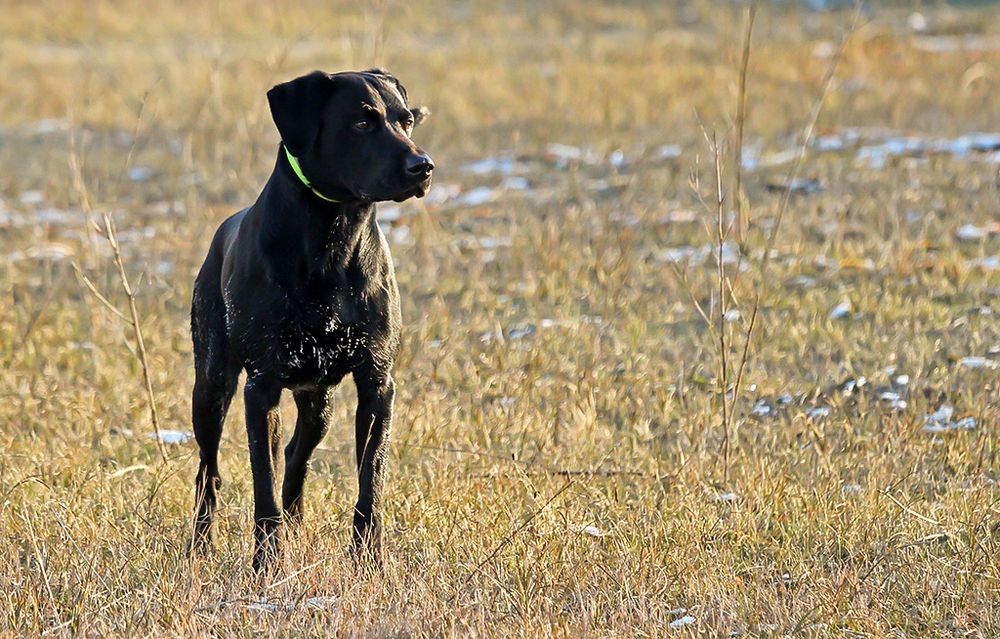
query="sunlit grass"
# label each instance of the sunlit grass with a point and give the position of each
(557, 454)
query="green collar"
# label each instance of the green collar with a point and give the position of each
(294, 162)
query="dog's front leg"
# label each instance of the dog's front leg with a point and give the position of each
(374, 420)
(264, 435)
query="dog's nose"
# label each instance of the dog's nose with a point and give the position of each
(419, 164)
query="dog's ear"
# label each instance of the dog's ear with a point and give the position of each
(420, 114)
(296, 107)
(388, 77)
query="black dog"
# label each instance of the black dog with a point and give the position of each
(298, 290)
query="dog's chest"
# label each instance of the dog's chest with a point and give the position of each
(313, 331)
(320, 340)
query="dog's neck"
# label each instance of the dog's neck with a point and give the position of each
(297, 223)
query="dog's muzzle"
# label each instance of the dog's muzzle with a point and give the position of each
(419, 165)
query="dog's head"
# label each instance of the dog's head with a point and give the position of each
(351, 134)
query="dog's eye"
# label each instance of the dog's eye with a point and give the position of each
(362, 125)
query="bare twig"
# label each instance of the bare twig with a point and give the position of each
(109, 232)
(42, 305)
(909, 510)
(741, 115)
(682, 279)
(103, 300)
(740, 219)
(513, 533)
(76, 171)
(721, 234)
(592, 472)
(806, 138)
(140, 343)
(294, 574)
(539, 469)
(42, 562)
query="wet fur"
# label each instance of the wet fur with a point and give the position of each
(299, 293)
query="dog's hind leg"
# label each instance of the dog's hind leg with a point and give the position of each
(215, 383)
(310, 426)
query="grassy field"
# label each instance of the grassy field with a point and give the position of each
(566, 461)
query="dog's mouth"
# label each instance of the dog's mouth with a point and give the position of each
(418, 190)
(399, 193)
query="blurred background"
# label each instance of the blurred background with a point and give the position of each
(587, 444)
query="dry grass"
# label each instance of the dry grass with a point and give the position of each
(854, 524)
